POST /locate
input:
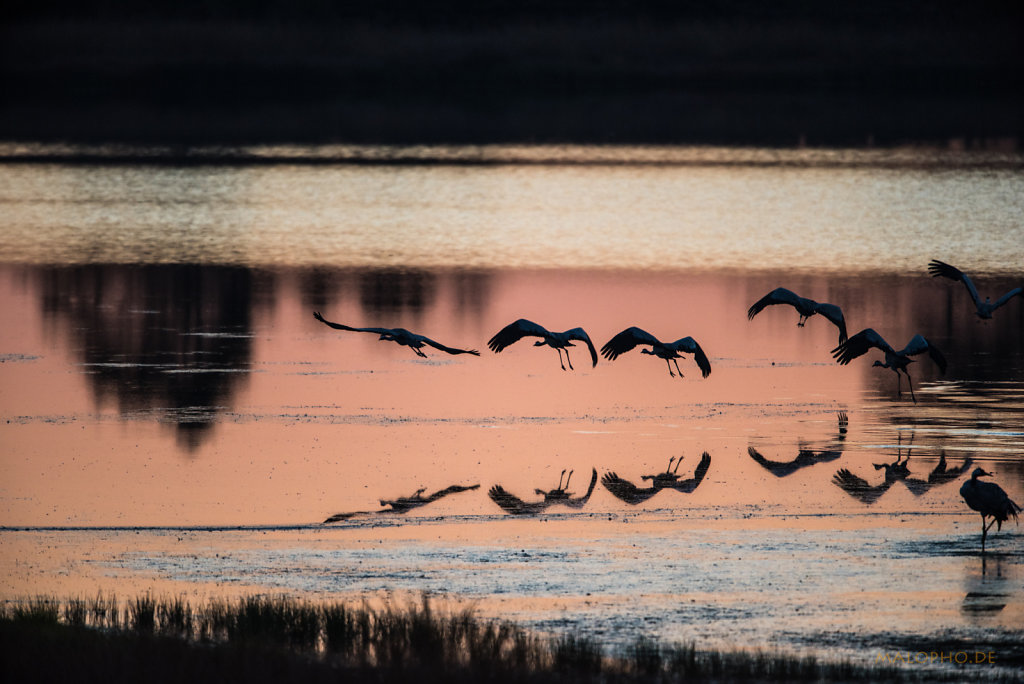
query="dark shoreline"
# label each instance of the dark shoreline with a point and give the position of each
(720, 73)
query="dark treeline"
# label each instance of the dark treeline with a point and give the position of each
(911, 12)
(397, 71)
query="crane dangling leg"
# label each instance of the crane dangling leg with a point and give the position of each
(560, 358)
(911, 385)
(567, 360)
(677, 367)
(669, 368)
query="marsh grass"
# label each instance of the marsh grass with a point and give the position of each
(261, 638)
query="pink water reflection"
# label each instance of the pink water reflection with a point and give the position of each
(297, 421)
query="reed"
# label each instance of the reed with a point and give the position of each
(261, 638)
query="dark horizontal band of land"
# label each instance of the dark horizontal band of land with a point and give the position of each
(726, 72)
(994, 161)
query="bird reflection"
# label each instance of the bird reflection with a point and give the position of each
(400, 336)
(404, 504)
(511, 503)
(631, 494)
(805, 457)
(988, 591)
(897, 471)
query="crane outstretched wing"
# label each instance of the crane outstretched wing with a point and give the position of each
(449, 350)
(779, 295)
(940, 268)
(687, 486)
(513, 332)
(581, 335)
(627, 340)
(345, 516)
(834, 314)
(690, 346)
(919, 345)
(580, 501)
(858, 345)
(625, 490)
(510, 503)
(342, 326)
(1007, 297)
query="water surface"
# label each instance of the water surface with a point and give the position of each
(174, 418)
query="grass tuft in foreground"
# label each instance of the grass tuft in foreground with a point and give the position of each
(259, 639)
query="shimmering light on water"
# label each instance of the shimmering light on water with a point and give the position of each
(709, 209)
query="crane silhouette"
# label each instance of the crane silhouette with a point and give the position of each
(513, 332)
(896, 361)
(990, 500)
(858, 487)
(805, 457)
(632, 337)
(400, 336)
(512, 504)
(983, 309)
(805, 307)
(669, 479)
(897, 471)
(404, 504)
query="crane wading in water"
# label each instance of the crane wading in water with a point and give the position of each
(896, 361)
(990, 500)
(632, 337)
(513, 332)
(983, 309)
(399, 335)
(805, 307)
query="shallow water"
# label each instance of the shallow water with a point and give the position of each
(174, 418)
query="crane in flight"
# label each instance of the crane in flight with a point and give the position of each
(631, 494)
(805, 307)
(896, 361)
(983, 309)
(990, 500)
(403, 504)
(512, 504)
(399, 335)
(513, 332)
(633, 337)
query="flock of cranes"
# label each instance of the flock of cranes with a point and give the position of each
(987, 498)
(848, 348)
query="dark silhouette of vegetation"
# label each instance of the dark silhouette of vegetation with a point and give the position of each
(398, 71)
(257, 639)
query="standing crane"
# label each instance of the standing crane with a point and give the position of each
(896, 361)
(513, 332)
(983, 309)
(632, 337)
(399, 335)
(990, 500)
(805, 307)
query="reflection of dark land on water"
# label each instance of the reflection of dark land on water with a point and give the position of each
(156, 336)
(179, 339)
(737, 72)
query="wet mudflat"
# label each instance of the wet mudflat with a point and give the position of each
(186, 427)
